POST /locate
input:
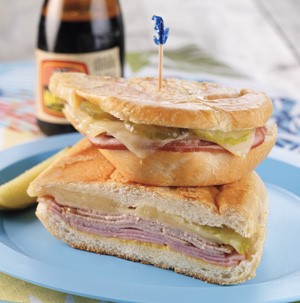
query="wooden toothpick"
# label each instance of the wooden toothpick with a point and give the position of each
(160, 41)
(160, 65)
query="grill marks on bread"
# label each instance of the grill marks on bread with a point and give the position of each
(180, 103)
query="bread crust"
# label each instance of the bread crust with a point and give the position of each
(180, 103)
(204, 168)
(85, 175)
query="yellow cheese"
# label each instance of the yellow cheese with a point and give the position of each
(220, 235)
(139, 139)
(138, 144)
(237, 142)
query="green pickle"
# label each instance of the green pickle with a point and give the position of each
(95, 111)
(231, 138)
(155, 132)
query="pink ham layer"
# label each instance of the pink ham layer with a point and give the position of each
(131, 227)
(105, 141)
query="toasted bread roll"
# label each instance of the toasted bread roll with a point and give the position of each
(212, 233)
(186, 134)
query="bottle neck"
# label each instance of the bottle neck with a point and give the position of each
(81, 10)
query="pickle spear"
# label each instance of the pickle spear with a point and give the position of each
(13, 194)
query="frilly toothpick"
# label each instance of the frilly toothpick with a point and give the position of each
(160, 41)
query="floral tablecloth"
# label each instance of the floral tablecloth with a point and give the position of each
(18, 125)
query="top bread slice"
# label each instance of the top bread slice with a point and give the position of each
(84, 178)
(180, 103)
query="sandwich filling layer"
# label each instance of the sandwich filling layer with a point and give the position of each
(101, 128)
(220, 246)
(105, 141)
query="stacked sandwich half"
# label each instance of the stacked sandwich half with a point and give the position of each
(162, 177)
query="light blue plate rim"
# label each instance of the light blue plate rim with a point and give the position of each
(277, 173)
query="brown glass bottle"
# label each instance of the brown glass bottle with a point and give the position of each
(77, 36)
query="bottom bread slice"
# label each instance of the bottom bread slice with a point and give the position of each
(148, 253)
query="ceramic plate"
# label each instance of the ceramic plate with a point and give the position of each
(29, 252)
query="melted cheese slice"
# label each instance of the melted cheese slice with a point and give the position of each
(237, 142)
(137, 144)
(219, 235)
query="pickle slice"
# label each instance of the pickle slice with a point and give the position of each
(13, 194)
(231, 138)
(95, 111)
(155, 132)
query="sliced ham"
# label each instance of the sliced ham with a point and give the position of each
(131, 227)
(105, 141)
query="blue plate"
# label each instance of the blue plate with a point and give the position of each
(29, 252)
